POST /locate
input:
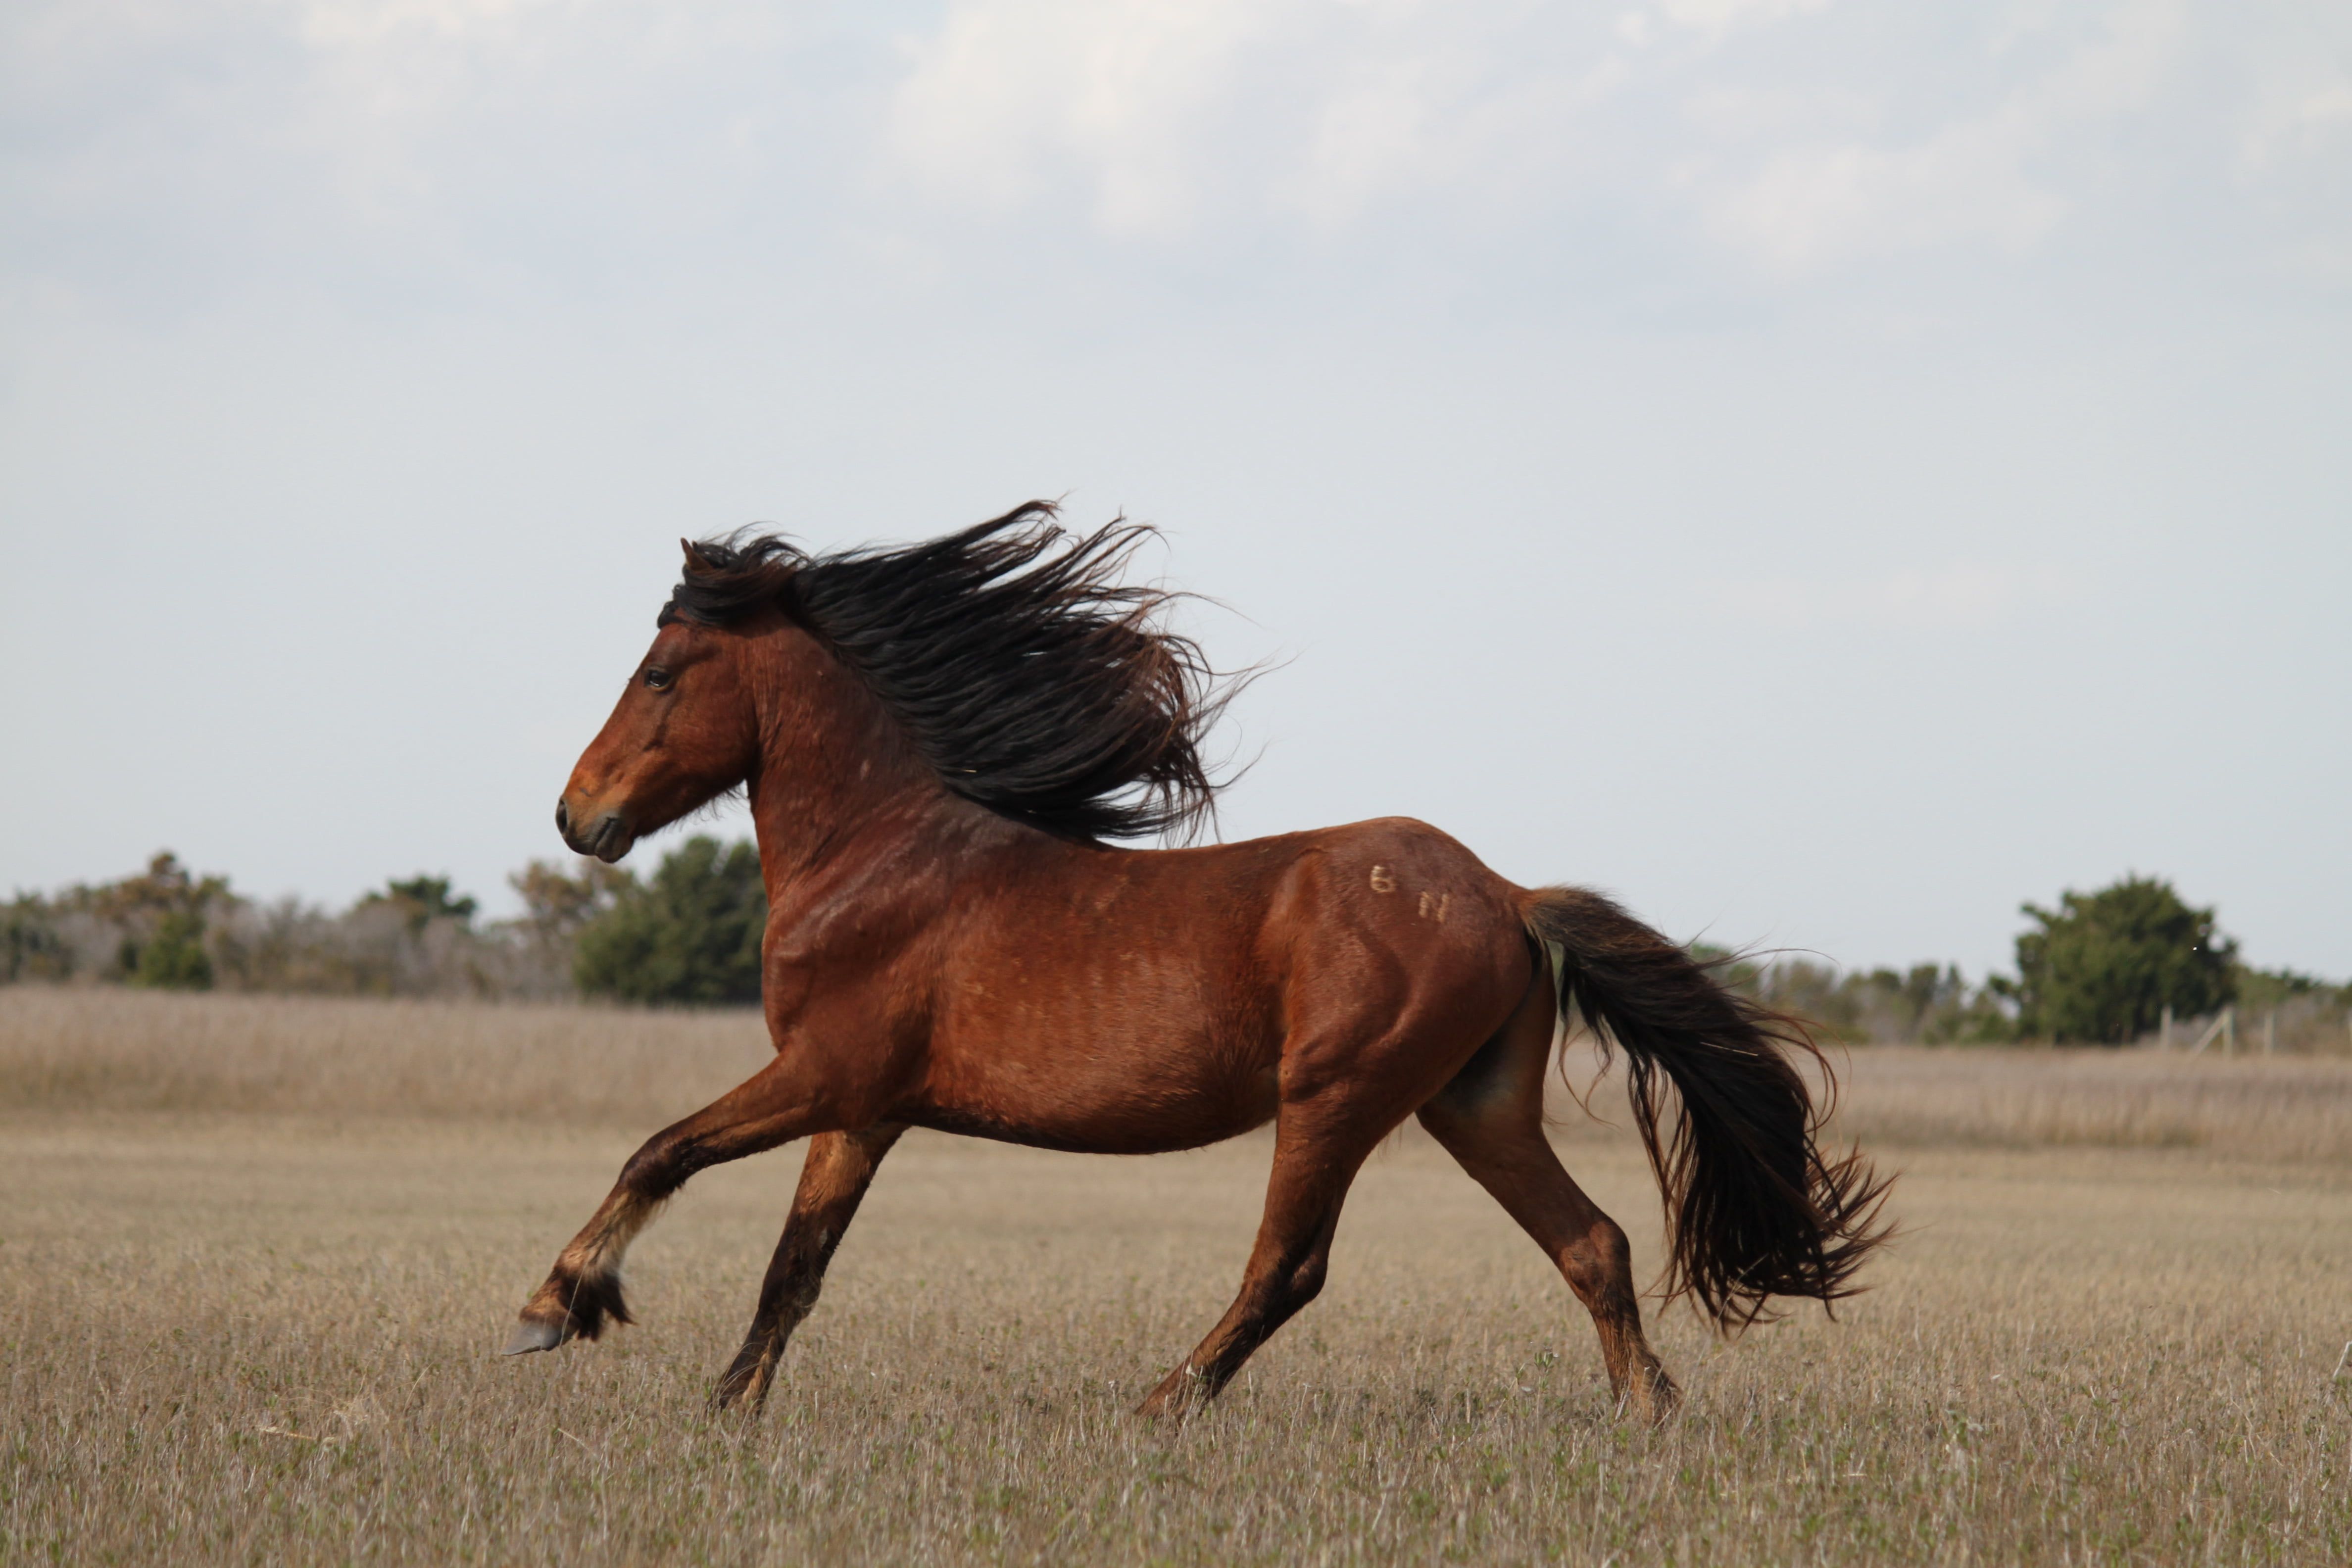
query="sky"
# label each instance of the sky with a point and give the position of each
(1826, 473)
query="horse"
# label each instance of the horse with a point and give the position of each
(948, 749)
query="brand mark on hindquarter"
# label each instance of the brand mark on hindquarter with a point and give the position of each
(1383, 881)
(1432, 906)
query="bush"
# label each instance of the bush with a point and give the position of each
(2104, 965)
(422, 899)
(174, 958)
(689, 937)
(161, 917)
(1927, 1004)
(31, 946)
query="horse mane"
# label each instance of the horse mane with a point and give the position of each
(1031, 680)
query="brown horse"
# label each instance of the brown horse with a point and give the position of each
(936, 742)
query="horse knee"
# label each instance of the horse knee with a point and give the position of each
(655, 1172)
(1599, 1265)
(1306, 1281)
(1290, 1284)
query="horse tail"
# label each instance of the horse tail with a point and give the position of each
(1754, 1209)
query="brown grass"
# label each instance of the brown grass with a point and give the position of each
(109, 1048)
(244, 1329)
(2256, 1107)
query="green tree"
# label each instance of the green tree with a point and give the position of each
(689, 936)
(174, 958)
(424, 899)
(2104, 965)
(163, 915)
(31, 947)
(557, 903)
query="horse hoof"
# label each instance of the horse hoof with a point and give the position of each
(529, 1336)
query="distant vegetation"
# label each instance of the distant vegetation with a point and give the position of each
(2107, 965)
(2101, 968)
(691, 934)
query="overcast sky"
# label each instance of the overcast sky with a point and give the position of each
(1825, 471)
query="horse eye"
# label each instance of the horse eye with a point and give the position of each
(657, 680)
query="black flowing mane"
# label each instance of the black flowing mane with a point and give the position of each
(1031, 680)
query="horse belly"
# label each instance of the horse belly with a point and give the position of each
(1135, 1062)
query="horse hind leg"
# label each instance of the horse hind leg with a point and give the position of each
(840, 1167)
(1490, 1119)
(1285, 1270)
(1346, 1083)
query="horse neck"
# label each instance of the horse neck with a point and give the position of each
(835, 769)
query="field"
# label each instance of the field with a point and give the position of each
(257, 1254)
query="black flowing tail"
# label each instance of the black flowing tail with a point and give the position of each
(1754, 1209)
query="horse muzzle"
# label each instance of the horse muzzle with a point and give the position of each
(606, 834)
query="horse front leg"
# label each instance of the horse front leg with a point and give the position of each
(582, 1291)
(840, 1167)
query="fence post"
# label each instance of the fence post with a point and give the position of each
(2230, 1031)
(2269, 1033)
(2164, 1029)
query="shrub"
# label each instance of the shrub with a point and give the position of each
(691, 936)
(174, 958)
(2103, 966)
(31, 946)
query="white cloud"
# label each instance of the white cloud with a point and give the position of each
(2298, 117)
(1170, 120)
(1798, 136)
(1714, 18)
(346, 23)
(1809, 207)
(1971, 181)
(1007, 90)
(1172, 117)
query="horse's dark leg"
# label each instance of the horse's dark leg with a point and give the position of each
(841, 1165)
(1490, 1119)
(774, 1106)
(1312, 1171)
(1585, 1243)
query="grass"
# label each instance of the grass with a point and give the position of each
(242, 1326)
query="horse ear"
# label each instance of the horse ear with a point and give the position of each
(694, 557)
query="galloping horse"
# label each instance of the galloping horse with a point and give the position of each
(939, 743)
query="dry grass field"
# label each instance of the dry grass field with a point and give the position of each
(256, 1254)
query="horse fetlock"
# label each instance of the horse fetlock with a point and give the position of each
(570, 1307)
(1181, 1392)
(1651, 1397)
(745, 1383)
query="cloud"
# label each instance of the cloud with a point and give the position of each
(1169, 117)
(1008, 92)
(1969, 182)
(1799, 136)
(464, 138)
(1715, 19)
(2298, 117)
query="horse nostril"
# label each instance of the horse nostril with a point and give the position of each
(562, 816)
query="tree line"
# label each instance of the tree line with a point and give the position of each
(2101, 967)
(688, 934)
(2105, 967)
